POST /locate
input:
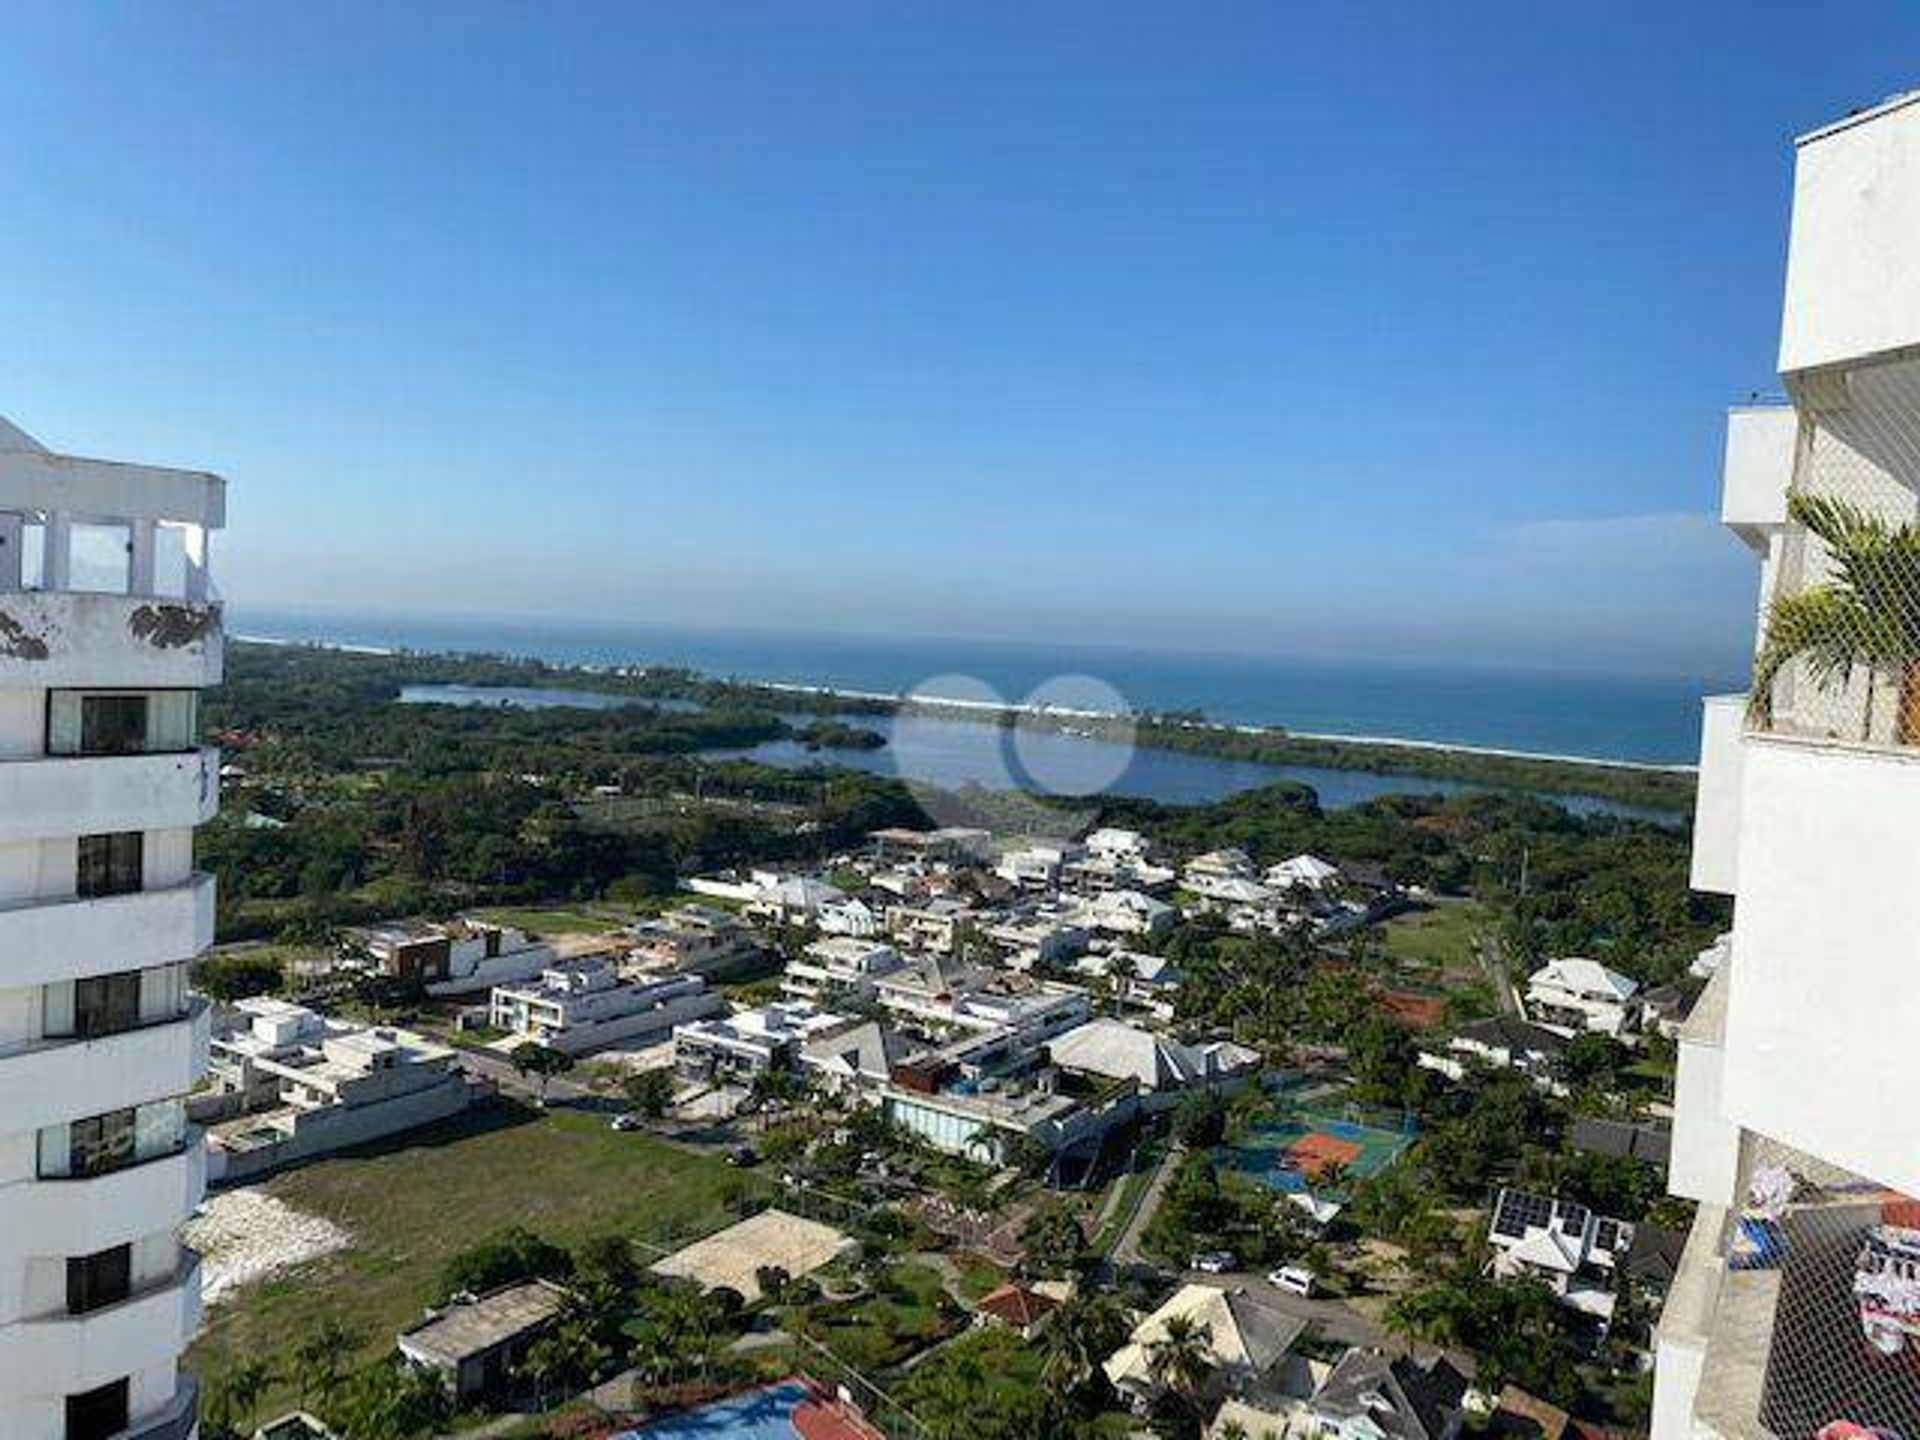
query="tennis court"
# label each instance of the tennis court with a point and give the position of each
(1295, 1154)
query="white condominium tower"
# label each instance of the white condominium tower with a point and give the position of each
(108, 632)
(1796, 1311)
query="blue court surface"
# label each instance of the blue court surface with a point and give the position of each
(757, 1415)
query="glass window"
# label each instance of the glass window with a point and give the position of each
(98, 1280)
(98, 1414)
(106, 1004)
(80, 722)
(101, 1144)
(111, 864)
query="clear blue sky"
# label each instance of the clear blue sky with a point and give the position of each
(1389, 327)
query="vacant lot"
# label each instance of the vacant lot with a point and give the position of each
(1439, 939)
(410, 1206)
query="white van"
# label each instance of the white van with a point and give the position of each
(1294, 1279)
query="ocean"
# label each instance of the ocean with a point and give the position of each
(1648, 719)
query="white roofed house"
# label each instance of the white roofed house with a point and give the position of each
(792, 899)
(588, 1005)
(858, 1057)
(462, 957)
(853, 917)
(1037, 866)
(1574, 1252)
(1126, 912)
(750, 1041)
(839, 965)
(1305, 872)
(1574, 994)
(1109, 1050)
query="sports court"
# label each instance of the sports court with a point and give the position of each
(1294, 1154)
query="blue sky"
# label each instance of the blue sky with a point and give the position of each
(1388, 328)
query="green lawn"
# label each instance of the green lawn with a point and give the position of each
(412, 1205)
(559, 919)
(1440, 937)
(909, 1310)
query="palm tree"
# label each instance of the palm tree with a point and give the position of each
(1866, 616)
(241, 1390)
(1182, 1357)
(1087, 1329)
(318, 1359)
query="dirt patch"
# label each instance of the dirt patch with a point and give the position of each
(168, 627)
(246, 1235)
(19, 643)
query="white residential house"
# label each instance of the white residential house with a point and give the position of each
(291, 1084)
(838, 966)
(852, 917)
(1038, 866)
(589, 1005)
(1228, 863)
(109, 630)
(465, 957)
(1111, 1050)
(1505, 1043)
(746, 1042)
(1794, 1303)
(1575, 994)
(1126, 912)
(1112, 844)
(1305, 872)
(1574, 1252)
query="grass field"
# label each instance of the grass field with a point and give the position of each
(560, 919)
(1438, 938)
(412, 1205)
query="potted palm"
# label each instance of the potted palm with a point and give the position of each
(1867, 615)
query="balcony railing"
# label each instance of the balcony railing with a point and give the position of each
(1814, 1314)
(60, 553)
(1839, 659)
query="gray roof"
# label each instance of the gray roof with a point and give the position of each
(1647, 1141)
(1506, 1032)
(470, 1328)
(1406, 1398)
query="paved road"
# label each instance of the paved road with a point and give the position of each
(499, 1069)
(1126, 1250)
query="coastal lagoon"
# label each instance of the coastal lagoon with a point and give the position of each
(952, 753)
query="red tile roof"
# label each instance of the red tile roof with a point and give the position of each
(1017, 1305)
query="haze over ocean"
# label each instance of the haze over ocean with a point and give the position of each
(1651, 719)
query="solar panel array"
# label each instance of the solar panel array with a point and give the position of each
(1517, 1212)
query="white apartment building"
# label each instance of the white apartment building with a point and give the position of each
(108, 632)
(587, 1005)
(1797, 1303)
(839, 965)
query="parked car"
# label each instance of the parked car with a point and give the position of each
(1294, 1279)
(628, 1120)
(1215, 1262)
(743, 1156)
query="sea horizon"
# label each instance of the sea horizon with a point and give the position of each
(1558, 714)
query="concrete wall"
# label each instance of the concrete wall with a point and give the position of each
(1853, 264)
(1824, 999)
(1716, 806)
(319, 1132)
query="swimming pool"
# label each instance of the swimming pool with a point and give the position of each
(790, 1410)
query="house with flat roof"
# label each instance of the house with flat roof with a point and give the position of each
(476, 1344)
(839, 965)
(591, 1005)
(462, 957)
(746, 1042)
(290, 1084)
(694, 939)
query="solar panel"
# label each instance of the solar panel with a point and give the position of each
(1518, 1212)
(1573, 1218)
(1606, 1235)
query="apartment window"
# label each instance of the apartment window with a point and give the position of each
(98, 1414)
(120, 722)
(98, 1280)
(111, 864)
(101, 1144)
(106, 1004)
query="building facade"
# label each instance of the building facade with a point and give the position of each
(1796, 1306)
(108, 632)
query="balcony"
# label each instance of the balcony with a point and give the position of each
(1757, 470)
(1852, 290)
(1716, 812)
(1706, 1145)
(76, 640)
(54, 1081)
(84, 1214)
(63, 938)
(66, 1354)
(42, 798)
(1790, 1309)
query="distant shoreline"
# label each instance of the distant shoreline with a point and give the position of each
(978, 710)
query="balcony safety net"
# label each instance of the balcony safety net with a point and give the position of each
(1816, 1335)
(1840, 651)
